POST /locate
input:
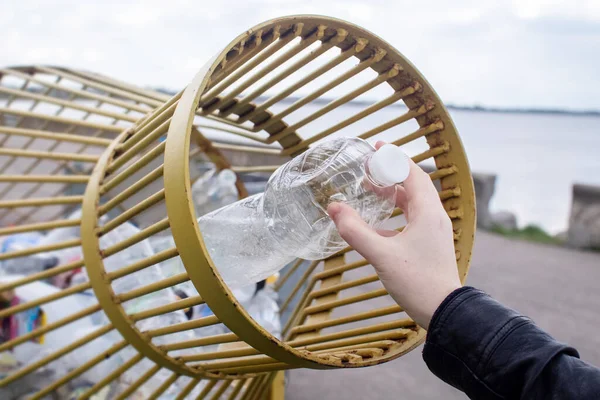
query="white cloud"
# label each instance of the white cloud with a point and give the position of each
(497, 52)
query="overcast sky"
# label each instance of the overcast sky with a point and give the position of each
(522, 53)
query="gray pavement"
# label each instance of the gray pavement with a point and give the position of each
(557, 287)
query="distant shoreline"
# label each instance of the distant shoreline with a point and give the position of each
(363, 103)
(360, 103)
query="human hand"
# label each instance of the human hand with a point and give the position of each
(416, 266)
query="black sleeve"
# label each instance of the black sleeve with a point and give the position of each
(492, 352)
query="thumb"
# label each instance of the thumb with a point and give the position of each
(354, 230)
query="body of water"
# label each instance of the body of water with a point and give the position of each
(536, 157)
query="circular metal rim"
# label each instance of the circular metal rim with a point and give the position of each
(186, 233)
(102, 288)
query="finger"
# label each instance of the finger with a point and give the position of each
(401, 198)
(354, 230)
(421, 194)
(379, 144)
(387, 233)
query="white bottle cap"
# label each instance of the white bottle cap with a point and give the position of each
(389, 165)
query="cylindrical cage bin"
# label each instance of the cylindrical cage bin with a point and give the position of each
(123, 297)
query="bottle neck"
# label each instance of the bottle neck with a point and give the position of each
(371, 177)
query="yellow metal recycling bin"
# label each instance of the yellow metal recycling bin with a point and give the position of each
(126, 156)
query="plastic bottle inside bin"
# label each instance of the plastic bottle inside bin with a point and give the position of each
(257, 236)
(28, 264)
(214, 190)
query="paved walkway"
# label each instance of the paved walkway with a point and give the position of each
(558, 288)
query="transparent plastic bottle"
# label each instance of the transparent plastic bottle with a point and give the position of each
(214, 190)
(28, 264)
(255, 237)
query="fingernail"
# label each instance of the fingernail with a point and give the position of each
(333, 209)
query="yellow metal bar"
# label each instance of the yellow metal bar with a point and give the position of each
(258, 369)
(55, 355)
(41, 275)
(133, 211)
(303, 44)
(326, 45)
(177, 305)
(376, 346)
(129, 191)
(426, 130)
(47, 155)
(249, 66)
(187, 389)
(42, 330)
(205, 341)
(40, 226)
(238, 387)
(361, 66)
(62, 120)
(343, 286)
(380, 79)
(251, 387)
(338, 270)
(145, 263)
(260, 393)
(138, 237)
(301, 281)
(260, 168)
(77, 92)
(331, 296)
(136, 166)
(346, 319)
(154, 287)
(345, 301)
(214, 355)
(330, 341)
(383, 326)
(355, 117)
(41, 201)
(40, 249)
(100, 86)
(443, 172)
(281, 281)
(278, 387)
(245, 149)
(45, 178)
(165, 385)
(139, 382)
(45, 299)
(244, 54)
(149, 125)
(111, 377)
(238, 362)
(407, 116)
(139, 146)
(433, 152)
(183, 326)
(344, 55)
(358, 340)
(206, 389)
(224, 385)
(63, 137)
(68, 104)
(80, 370)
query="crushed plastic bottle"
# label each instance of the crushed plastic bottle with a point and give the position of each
(214, 190)
(28, 264)
(257, 236)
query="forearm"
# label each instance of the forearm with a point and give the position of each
(490, 351)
